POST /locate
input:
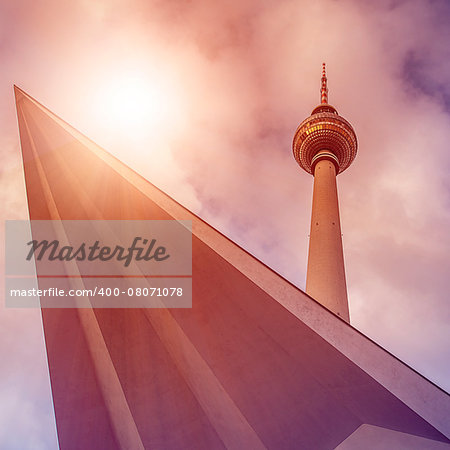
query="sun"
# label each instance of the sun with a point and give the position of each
(138, 103)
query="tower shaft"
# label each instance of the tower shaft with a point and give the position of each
(324, 145)
(325, 279)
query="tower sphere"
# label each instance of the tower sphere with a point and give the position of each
(324, 135)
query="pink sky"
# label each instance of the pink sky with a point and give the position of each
(234, 81)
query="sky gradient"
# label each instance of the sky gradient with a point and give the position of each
(203, 100)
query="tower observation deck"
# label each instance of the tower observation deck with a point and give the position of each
(325, 145)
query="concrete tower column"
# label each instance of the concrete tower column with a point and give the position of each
(325, 279)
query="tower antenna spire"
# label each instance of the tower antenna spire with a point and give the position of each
(324, 89)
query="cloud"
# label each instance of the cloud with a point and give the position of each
(246, 74)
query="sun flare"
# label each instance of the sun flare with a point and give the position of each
(138, 104)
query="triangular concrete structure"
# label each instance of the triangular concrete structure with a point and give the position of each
(255, 363)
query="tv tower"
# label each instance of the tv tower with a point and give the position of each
(325, 145)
